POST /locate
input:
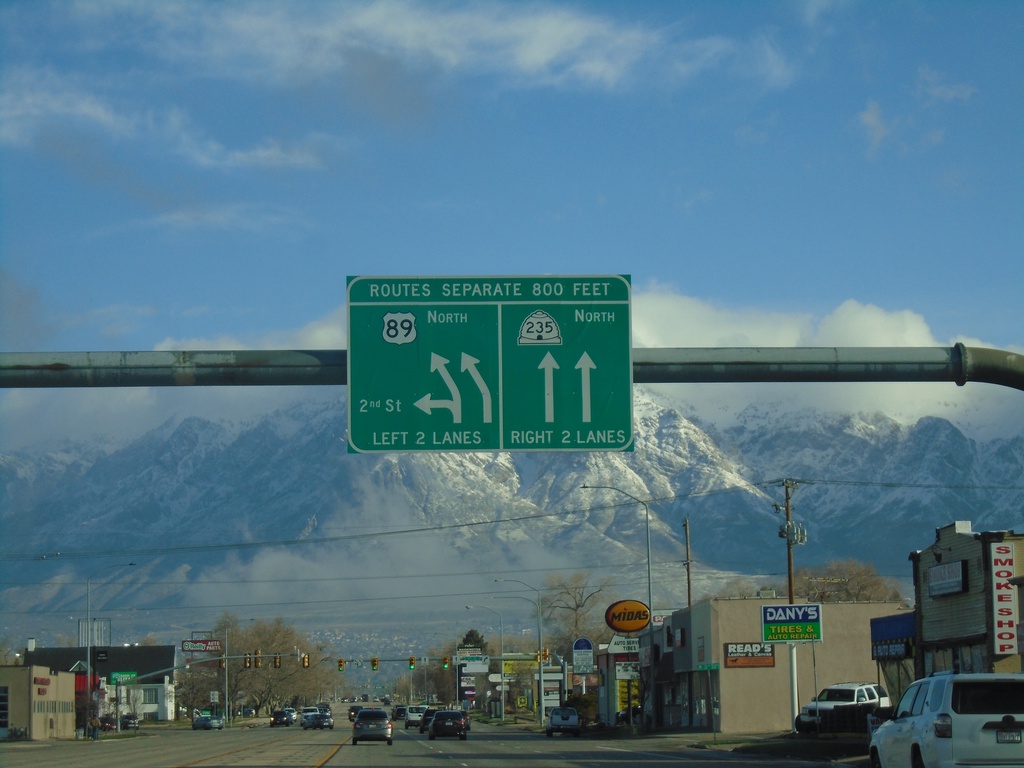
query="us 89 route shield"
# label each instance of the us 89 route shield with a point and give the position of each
(489, 363)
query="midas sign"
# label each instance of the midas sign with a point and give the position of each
(627, 616)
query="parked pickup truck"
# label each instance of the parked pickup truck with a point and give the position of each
(563, 720)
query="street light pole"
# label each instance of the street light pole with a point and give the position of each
(540, 648)
(501, 652)
(89, 635)
(650, 582)
(227, 701)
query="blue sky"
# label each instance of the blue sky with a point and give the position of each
(205, 175)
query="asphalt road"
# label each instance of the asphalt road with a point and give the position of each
(488, 746)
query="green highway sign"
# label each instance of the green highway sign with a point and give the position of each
(490, 363)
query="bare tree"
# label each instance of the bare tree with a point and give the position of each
(268, 686)
(841, 581)
(574, 608)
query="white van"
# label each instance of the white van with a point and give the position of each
(414, 715)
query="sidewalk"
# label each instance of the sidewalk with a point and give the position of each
(848, 750)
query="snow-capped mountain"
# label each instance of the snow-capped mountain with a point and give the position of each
(274, 516)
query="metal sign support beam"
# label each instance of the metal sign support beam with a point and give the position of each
(677, 365)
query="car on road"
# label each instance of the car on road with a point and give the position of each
(280, 717)
(817, 715)
(372, 725)
(414, 715)
(353, 711)
(293, 716)
(563, 720)
(320, 720)
(398, 713)
(208, 723)
(129, 722)
(447, 722)
(428, 715)
(948, 720)
(108, 723)
(307, 712)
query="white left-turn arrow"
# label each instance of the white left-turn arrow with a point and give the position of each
(427, 404)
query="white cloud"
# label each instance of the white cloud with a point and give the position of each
(875, 126)
(932, 88)
(525, 44)
(34, 99)
(244, 217)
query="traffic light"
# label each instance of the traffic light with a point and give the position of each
(412, 662)
(374, 663)
(277, 661)
(305, 660)
(248, 661)
(546, 655)
(536, 657)
(341, 665)
(446, 662)
(222, 662)
(259, 659)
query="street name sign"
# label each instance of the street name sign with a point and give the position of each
(791, 623)
(490, 363)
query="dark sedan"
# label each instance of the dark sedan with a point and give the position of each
(320, 720)
(280, 717)
(428, 713)
(448, 722)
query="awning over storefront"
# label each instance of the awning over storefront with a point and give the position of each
(893, 637)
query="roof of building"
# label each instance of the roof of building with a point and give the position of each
(141, 659)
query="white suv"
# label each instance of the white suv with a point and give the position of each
(949, 720)
(817, 716)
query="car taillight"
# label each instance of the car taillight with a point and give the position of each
(943, 726)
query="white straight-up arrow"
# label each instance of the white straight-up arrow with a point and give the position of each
(469, 364)
(548, 365)
(585, 366)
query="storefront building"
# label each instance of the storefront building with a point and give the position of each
(710, 669)
(126, 679)
(36, 703)
(968, 611)
(893, 645)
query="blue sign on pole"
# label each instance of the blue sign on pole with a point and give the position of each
(582, 656)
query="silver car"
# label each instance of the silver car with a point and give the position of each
(372, 725)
